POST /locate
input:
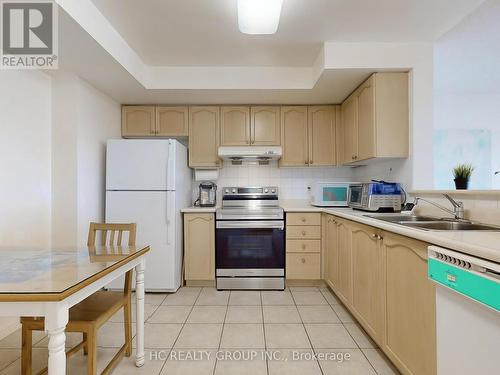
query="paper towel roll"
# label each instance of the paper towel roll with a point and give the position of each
(206, 174)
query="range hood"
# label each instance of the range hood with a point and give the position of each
(258, 154)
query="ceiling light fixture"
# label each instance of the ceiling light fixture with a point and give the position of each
(259, 16)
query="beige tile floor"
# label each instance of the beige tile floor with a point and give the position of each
(205, 331)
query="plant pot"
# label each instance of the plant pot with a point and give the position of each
(461, 183)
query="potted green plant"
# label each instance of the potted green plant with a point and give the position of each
(462, 173)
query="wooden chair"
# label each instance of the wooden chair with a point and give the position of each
(91, 313)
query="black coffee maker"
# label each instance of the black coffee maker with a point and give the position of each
(207, 194)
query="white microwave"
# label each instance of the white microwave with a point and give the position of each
(330, 194)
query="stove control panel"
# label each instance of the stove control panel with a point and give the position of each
(250, 191)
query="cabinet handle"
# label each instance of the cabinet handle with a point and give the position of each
(303, 246)
(303, 232)
(380, 238)
(303, 219)
(303, 260)
(374, 236)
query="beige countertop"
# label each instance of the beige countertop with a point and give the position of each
(477, 243)
(482, 244)
(198, 209)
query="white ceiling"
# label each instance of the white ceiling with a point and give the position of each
(81, 54)
(205, 32)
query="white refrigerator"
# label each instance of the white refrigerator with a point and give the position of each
(148, 182)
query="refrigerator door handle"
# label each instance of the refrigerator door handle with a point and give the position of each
(171, 166)
(170, 216)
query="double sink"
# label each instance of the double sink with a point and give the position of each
(434, 224)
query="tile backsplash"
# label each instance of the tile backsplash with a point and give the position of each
(293, 183)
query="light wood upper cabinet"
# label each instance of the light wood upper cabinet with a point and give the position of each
(367, 279)
(265, 126)
(366, 120)
(138, 121)
(235, 126)
(349, 129)
(375, 119)
(199, 246)
(294, 136)
(172, 121)
(410, 308)
(204, 132)
(321, 130)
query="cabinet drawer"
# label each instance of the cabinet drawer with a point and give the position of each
(306, 218)
(303, 266)
(303, 232)
(303, 246)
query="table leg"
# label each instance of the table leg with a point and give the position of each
(56, 319)
(139, 293)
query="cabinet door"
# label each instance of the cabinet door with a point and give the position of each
(332, 251)
(366, 279)
(172, 121)
(344, 262)
(138, 121)
(410, 310)
(321, 125)
(265, 126)
(303, 266)
(199, 246)
(235, 126)
(366, 120)
(349, 127)
(294, 136)
(203, 137)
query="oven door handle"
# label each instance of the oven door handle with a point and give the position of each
(278, 224)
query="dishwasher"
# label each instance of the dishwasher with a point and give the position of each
(467, 312)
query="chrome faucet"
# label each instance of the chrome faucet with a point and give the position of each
(458, 207)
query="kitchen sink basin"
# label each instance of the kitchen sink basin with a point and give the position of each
(432, 223)
(403, 218)
(450, 225)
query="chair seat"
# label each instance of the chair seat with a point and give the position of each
(93, 309)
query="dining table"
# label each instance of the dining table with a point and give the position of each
(47, 282)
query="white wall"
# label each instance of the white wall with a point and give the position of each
(99, 119)
(84, 118)
(25, 125)
(25, 186)
(51, 160)
(467, 79)
(293, 183)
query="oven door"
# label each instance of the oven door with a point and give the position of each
(250, 248)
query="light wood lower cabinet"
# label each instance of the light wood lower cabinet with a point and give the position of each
(199, 246)
(381, 278)
(332, 252)
(410, 306)
(344, 259)
(303, 246)
(302, 266)
(367, 279)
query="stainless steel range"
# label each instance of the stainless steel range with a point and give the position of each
(250, 239)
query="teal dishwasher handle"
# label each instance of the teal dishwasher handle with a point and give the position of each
(468, 283)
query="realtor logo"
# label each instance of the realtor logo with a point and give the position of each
(29, 31)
